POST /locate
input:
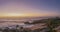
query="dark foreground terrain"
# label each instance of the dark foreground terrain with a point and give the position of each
(51, 25)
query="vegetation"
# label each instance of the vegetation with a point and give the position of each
(53, 23)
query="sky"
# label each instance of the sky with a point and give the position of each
(29, 8)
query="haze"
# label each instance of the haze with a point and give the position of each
(29, 8)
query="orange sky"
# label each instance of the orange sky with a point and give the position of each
(23, 15)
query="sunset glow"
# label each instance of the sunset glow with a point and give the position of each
(13, 14)
(26, 8)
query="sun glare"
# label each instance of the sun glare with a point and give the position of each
(17, 15)
(14, 14)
